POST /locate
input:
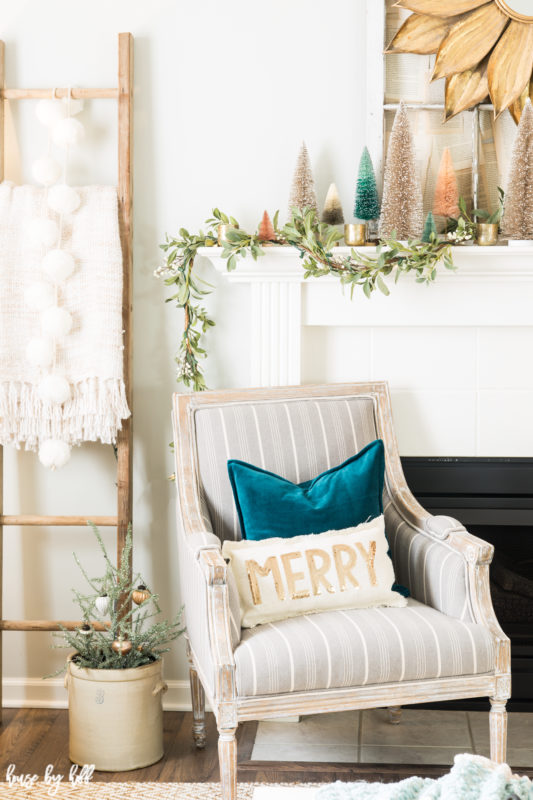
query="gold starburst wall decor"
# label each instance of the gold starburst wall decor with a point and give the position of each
(483, 48)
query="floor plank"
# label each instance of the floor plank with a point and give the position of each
(34, 738)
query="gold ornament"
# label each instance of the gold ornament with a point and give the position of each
(483, 47)
(85, 629)
(122, 646)
(140, 594)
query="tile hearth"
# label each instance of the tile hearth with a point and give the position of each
(423, 737)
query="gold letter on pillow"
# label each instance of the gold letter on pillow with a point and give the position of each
(369, 558)
(293, 577)
(344, 570)
(318, 574)
(254, 570)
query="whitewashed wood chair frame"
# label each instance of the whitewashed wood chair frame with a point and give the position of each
(210, 596)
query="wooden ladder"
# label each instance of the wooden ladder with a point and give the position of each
(124, 95)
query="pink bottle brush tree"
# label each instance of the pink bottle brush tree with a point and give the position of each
(446, 200)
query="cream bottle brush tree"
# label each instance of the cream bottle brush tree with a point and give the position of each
(332, 213)
(517, 222)
(401, 208)
(303, 193)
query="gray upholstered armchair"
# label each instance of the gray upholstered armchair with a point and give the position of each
(445, 644)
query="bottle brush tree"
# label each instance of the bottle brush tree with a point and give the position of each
(332, 213)
(517, 222)
(430, 229)
(446, 199)
(266, 230)
(366, 192)
(303, 194)
(401, 208)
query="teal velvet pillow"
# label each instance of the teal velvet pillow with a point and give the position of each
(344, 496)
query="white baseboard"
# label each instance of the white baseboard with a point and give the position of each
(51, 693)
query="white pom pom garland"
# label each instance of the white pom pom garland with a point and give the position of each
(63, 199)
(53, 453)
(50, 112)
(39, 296)
(43, 232)
(40, 352)
(58, 265)
(56, 322)
(54, 389)
(46, 171)
(68, 132)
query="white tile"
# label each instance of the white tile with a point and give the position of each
(505, 358)
(435, 423)
(425, 358)
(335, 354)
(318, 729)
(324, 754)
(396, 754)
(505, 423)
(418, 728)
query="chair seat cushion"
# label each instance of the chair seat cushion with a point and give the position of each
(338, 649)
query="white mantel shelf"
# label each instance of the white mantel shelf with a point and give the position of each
(492, 287)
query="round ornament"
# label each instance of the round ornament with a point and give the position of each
(63, 199)
(68, 132)
(85, 630)
(102, 604)
(40, 296)
(49, 112)
(53, 453)
(56, 322)
(46, 171)
(122, 646)
(43, 232)
(58, 265)
(40, 352)
(54, 389)
(140, 594)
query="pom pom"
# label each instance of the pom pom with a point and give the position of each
(40, 352)
(50, 112)
(43, 232)
(54, 389)
(46, 171)
(73, 106)
(53, 453)
(68, 132)
(56, 322)
(39, 296)
(58, 265)
(63, 199)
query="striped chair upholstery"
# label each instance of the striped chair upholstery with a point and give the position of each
(336, 649)
(299, 439)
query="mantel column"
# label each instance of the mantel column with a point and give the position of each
(276, 333)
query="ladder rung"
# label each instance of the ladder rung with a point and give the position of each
(28, 519)
(45, 625)
(43, 94)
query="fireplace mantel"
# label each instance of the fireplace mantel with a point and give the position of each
(492, 287)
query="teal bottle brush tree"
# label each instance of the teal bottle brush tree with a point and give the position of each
(366, 193)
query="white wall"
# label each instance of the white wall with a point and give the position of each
(224, 94)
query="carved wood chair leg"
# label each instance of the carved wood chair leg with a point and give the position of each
(227, 759)
(498, 731)
(198, 704)
(395, 714)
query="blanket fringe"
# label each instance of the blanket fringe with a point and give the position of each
(94, 413)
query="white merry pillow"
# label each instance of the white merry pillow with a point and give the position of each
(281, 578)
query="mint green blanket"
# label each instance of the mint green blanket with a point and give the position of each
(471, 778)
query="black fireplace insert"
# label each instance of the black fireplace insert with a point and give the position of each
(493, 498)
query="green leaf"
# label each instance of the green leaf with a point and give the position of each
(382, 286)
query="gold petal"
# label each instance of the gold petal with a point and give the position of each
(510, 65)
(466, 89)
(440, 8)
(420, 33)
(469, 41)
(518, 105)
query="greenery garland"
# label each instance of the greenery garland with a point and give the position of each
(315, 242)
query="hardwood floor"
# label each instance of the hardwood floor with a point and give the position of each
(34, 738)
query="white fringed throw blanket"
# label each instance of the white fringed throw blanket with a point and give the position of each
(91, 356)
